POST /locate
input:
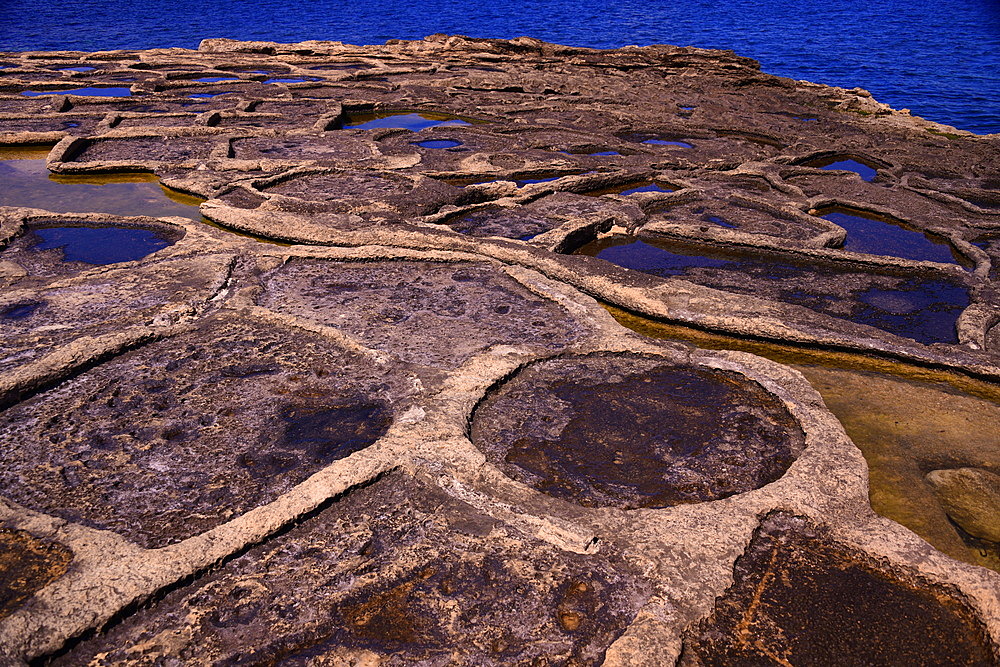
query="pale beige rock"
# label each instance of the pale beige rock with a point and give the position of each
(971, 497)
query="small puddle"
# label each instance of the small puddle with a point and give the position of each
(92, 91)
(300, 80)
(215, 79)
(922, 307)
(722, 222)
(905, 419)
(656, 138)
(875, 235)
(403, 120)
(437, 143)
(866, 170)
(75, 69)
(631, 188)
(20, 311)
(24, 181)
(528, 181)
(595, 152)
(667, 142)
(106, 244)
(202, 96)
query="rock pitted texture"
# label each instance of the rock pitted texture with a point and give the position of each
(397, 568)
(368, 410)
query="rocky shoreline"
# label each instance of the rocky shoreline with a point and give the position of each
(371, 408)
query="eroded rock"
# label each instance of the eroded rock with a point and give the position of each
(435, 314)
(397, 572)
(176, 437)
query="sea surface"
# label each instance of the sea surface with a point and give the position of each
(939, 59)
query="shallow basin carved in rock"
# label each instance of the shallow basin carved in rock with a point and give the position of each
(174, 438)
(392, 305)
(923, 307)
(631, 431)
(802, 599)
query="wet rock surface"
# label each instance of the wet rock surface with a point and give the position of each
(801, 598)
(369, 409)
(397, 572)
(631, 432)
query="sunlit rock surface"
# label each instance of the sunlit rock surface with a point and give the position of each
(343, 390)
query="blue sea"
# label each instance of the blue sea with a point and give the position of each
(939, 59)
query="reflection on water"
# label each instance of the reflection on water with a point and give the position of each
(922, 307)
(876, 235)
(92, 91)
(859, 166)
(438, 143)
(906, 420)
(632, 188)
(667, 142)
(403, 120)
(98, 244)
(300, 80)
(24, 181)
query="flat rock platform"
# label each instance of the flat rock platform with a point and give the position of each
(367, 401)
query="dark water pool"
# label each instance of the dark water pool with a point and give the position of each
(20, 311)
(403, 120)
(922, 307)
(100, 245)
(438, 143)
(866, 171)
(92, 91)
(667, 142)
(880, 236)
(311, 78)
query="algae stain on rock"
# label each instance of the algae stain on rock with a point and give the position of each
(27, 565)
(628, 432)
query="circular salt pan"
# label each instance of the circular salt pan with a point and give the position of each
(631, 431)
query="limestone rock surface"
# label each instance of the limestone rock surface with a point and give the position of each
(971, 497)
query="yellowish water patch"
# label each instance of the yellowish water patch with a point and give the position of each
(27, 152)
(905, 419)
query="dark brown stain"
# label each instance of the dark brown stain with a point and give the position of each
(654, 436)
(802, 599)
(27, 565)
